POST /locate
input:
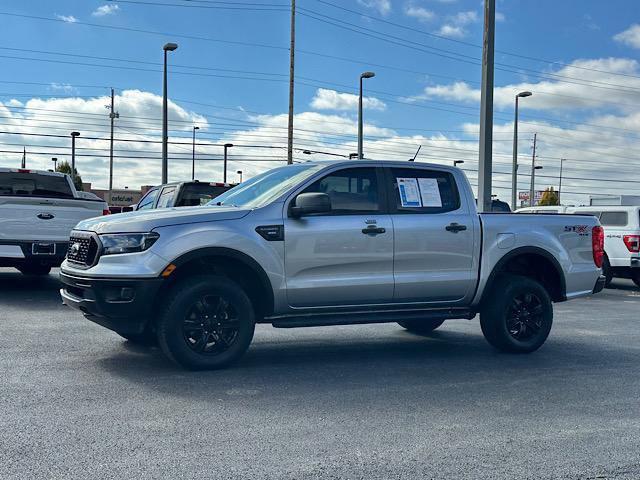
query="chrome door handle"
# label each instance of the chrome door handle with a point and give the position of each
(455, 227)
(373, 230)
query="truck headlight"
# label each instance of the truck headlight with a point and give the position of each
(113, 244)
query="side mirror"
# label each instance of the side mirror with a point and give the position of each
(307, 203)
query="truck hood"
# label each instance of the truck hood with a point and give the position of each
(147, 220)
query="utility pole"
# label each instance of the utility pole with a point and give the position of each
(292, 54)
(73, 155)
(560, 185)
(193, 157)
(112, 116)
(226, 147)
(24, 157)
(485, 163)
(533, 173)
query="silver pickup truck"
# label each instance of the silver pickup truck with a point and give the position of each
(324, 243)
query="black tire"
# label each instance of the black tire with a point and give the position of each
(36, 270)
(607, 271)
(146, 338)
(206, 323)
(421, 327)
(517, 314)
(635, 276)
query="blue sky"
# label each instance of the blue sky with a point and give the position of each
(579, 59)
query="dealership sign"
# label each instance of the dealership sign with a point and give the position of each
(123, 198)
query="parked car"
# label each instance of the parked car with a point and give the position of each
(621, 239)
(329, 243)
(38, 210)
(181, 194)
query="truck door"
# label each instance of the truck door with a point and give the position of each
(330, 259)
(434, 236)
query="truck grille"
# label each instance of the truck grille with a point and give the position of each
(83, 249)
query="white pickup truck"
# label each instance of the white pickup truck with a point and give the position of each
(329, 243)
(38, 210)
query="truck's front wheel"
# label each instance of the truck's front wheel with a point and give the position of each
(207, 323)
(517, 314)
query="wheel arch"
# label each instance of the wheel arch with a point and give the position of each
(236, 265)
(535, 263)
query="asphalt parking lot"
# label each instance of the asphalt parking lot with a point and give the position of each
(366, 402)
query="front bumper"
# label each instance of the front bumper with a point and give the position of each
(599, 286)
(122, 305)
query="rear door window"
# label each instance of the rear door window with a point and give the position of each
(23, 184)
(614, 219)
(415, 190)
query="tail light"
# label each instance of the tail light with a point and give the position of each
(597, 245)
(632, 242)
(106, 211)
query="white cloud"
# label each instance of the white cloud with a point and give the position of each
(454, 27)
(383, 7)
(419, 13)
(104, 10)
(560, 95)
(630, 37)
(326, 99)
(67, 18)
(451, 31)
(62, 87)
(500, 17)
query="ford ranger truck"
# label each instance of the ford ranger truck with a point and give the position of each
(329, 243)
(38, 210)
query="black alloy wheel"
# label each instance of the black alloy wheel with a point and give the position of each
(525, 316)
(211, 325)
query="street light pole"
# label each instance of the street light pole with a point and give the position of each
(363, 76)
(169, 47)
(533, 172)
(514, 170)
(226, 146)
(55, 164)
(73, 154)
(239, 172)
(193, 158)
(292, 56)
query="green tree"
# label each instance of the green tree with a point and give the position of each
(65, 167)
(549, 197)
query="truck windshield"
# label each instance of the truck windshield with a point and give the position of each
(263, 188)
(27, 184)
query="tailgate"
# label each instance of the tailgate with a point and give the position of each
(32, 218)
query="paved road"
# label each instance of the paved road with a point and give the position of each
(366, 402)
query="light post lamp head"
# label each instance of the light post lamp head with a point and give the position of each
(75, 134)
(196, 128)
(458, 162)
(538, 167)
(368, 75)
(228, 145)
(170, 47)
(307, 152)
(524, 94)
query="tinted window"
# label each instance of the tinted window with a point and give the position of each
(147, 200)
(166, 197)
(196, 194)
(34, 185)
(614, 219)
(436, 191)
(353, 190)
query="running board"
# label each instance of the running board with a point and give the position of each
(368, 316)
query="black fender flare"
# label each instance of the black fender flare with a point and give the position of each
(516, 252)
(236, 255)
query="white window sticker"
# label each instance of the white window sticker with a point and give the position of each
(429, 192)
(409, 193)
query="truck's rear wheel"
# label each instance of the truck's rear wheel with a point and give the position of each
(517, 314)
(421, 327)
(207, 323)
(34, 269)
